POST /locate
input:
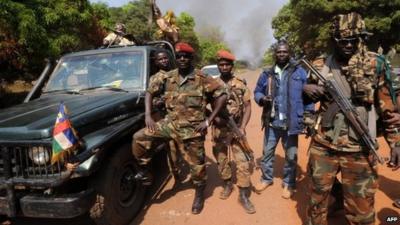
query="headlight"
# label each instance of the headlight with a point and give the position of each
(39, 155)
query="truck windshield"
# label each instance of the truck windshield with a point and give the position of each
(117, 70)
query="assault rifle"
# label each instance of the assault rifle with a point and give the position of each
(344, 104)
(241, 139)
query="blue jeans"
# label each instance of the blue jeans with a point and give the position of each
(290, 144)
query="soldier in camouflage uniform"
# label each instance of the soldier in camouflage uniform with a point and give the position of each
(335, 146)
(239, 108)
(186, 92)
(117, 36)
(162, 63)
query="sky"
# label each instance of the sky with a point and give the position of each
(246, 24)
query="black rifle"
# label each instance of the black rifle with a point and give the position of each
(237, 134)
(348, 110)
(241, 139)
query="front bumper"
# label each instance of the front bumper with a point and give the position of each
(52, 206)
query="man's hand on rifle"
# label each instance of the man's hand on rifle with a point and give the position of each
(394, 161)
(314, 91)
(264, 101)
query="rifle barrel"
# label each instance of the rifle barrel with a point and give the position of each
(347, 109)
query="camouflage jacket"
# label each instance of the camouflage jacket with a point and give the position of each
(368, 87)
(238, 94)
(115, 39)
(158, 100)
(186, 99)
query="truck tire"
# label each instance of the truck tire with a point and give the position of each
(119, 196)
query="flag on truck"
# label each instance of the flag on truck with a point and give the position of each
(65, 139)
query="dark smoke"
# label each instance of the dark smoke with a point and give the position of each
(246, 24)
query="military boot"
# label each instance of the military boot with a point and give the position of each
(198, 202)
(228, 188)
(144, 176)
(245, 201)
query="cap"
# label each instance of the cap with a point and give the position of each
(348, 25)
(224, 54)
(183, 47)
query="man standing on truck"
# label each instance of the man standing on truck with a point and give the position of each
(187, 92)
(117, 36)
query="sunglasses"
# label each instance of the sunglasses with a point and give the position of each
(346, 41)
(184, 55)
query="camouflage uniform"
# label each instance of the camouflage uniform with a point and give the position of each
(185, 102)
(116, 39)
(160, 113)
(238, 94)
(336, 147)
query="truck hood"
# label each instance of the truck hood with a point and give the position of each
(35, 119)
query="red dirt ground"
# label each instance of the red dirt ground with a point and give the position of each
(172, 206)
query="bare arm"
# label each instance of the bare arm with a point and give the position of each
(246, 115)
(219, 103)
(150, 124)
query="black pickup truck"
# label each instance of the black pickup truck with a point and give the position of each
(103, 90)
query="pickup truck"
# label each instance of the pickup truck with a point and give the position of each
(103, 90)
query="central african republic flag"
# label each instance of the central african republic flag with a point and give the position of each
(65, 139)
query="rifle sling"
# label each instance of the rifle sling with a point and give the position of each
(344, 85)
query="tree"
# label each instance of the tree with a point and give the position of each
(208, 49)
(302, 21)
(35, 29)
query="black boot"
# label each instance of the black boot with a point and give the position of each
(226, 192)
(144, 176)
(245, 201)
(198, 202)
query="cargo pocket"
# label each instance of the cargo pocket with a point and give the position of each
(169, 99)
(194, 101)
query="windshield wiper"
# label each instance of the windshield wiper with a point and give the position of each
(104, 87)
(64, 91)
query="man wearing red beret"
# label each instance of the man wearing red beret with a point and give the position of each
(187, 92)
(239, 108)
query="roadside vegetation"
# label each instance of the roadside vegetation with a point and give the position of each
(33, 30)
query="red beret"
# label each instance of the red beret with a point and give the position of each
(223, 54)
(183, 47)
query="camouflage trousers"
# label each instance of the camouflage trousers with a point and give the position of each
(221, 144)
(192, 149)
(359, 182)
(173, 154)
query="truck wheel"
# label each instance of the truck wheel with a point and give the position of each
(120, 196)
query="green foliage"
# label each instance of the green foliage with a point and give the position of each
(33, 30)
(302, 21)
(209, 48)
(135, 15)
(36, 29)
(187, 34)
(268, 58)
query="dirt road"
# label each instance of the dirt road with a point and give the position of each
(172, 206)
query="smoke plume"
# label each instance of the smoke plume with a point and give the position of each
(246, 24)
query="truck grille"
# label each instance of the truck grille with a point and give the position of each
(17, 162)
